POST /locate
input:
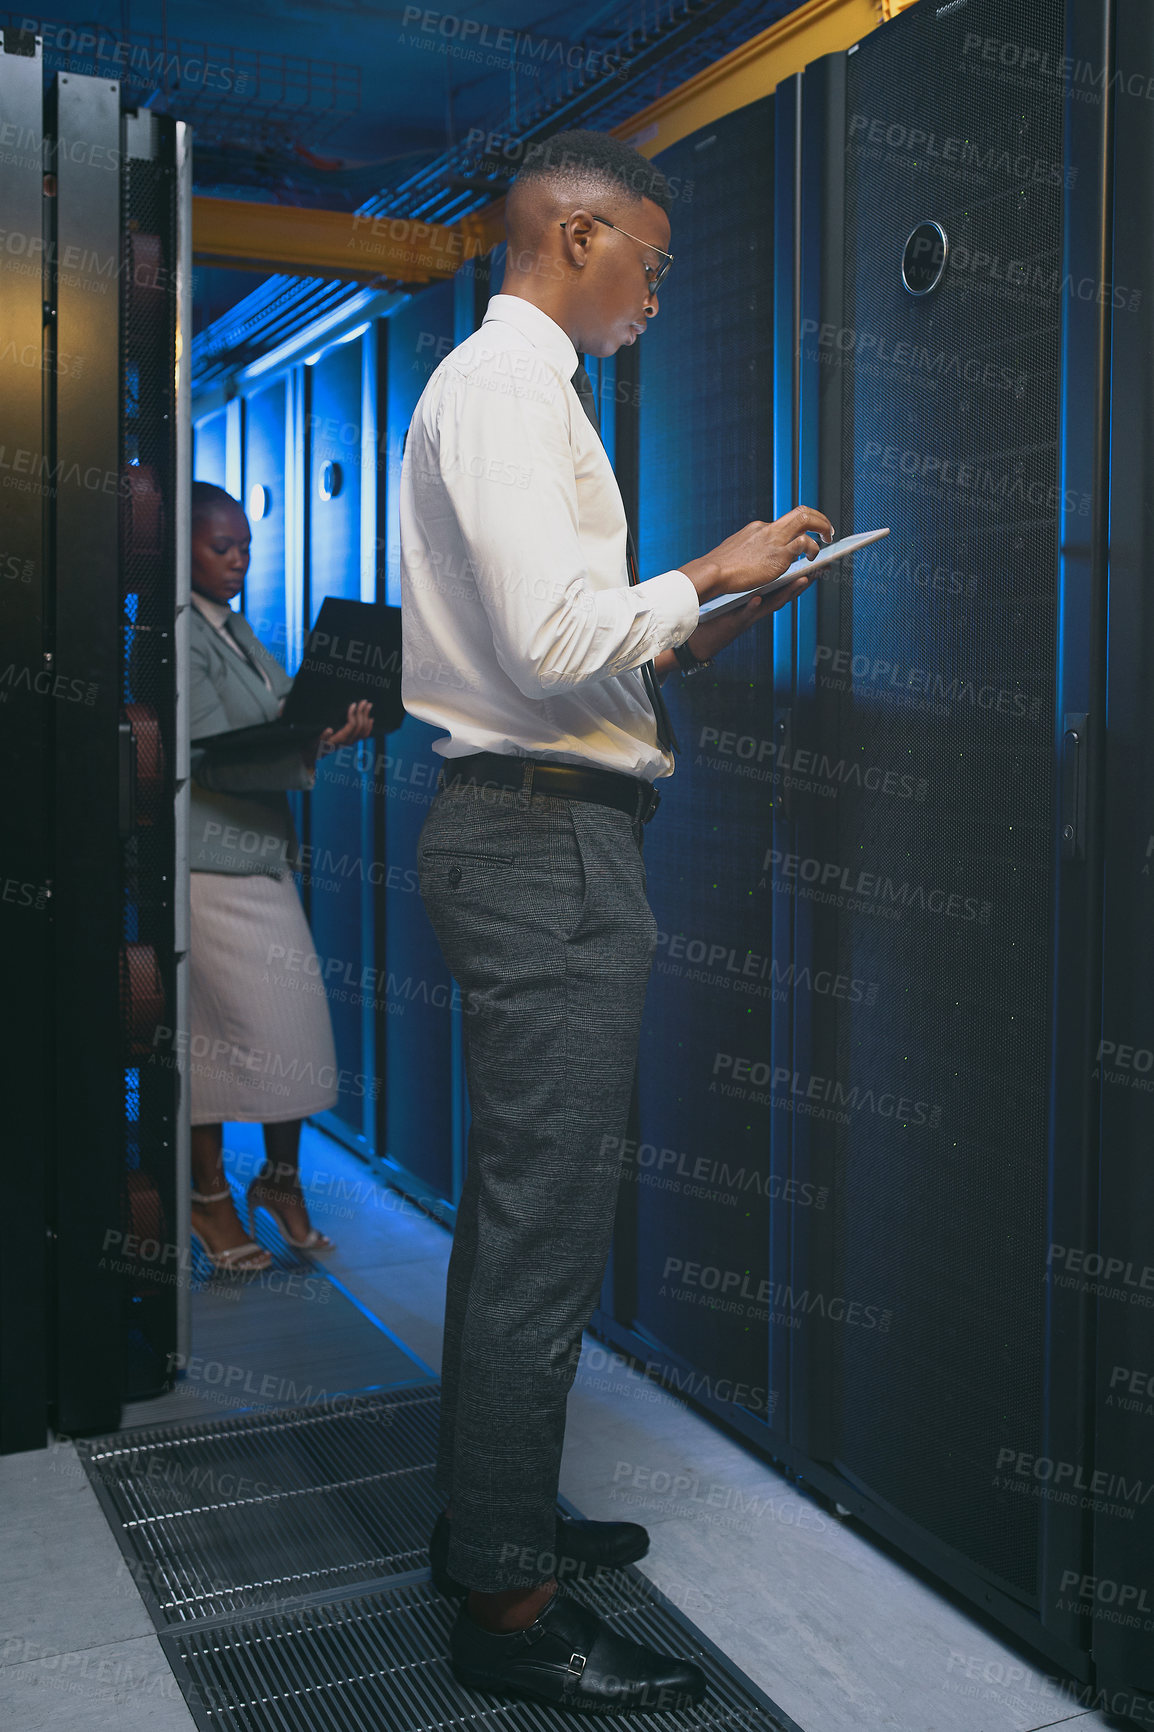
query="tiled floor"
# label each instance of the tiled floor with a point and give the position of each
(829, 1626)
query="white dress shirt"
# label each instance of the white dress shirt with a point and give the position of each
(522, 634)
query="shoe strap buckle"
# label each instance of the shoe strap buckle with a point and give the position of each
(577, 1664)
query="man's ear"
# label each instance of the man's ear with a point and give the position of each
(578, 227)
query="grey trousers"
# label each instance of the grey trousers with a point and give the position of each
(540, 909)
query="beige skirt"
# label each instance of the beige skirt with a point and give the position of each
(260, 1037)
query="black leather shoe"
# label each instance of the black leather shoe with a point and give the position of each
(581, 1548)
(574, 1659)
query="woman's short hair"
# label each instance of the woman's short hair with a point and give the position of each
(207, 496)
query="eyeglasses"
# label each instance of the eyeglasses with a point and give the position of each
(662, 271)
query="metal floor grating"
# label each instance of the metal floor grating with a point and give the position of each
(283, 1558)
(380, 1660)
(228, 1516)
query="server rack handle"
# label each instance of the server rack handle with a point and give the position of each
(1073, 790)
(126, 779)
(783, 739)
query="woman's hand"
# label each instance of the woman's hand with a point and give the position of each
(358, 726)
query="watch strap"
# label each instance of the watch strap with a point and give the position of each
(686, 660)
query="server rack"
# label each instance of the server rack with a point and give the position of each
(965, 651)
(98, 201)
(692, 1190)
(1114, 1273)
(26, 745)
(950, 1361)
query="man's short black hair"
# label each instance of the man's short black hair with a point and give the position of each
(597, 157)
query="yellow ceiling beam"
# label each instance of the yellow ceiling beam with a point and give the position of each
(748, 73)
(361, 249)
(340, 245)
(753, 70)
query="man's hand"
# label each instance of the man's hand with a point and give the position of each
(759, 553)
(712, 635)
(358, 727)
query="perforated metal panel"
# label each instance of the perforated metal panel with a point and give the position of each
(700, 1178)
(416, 1057)
(937, 664)
(148, 536)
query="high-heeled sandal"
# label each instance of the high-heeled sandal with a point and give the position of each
(315, 1239)
(237, 1259)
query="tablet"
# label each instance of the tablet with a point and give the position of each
(836, 550)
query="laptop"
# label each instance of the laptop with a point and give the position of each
(353, 652)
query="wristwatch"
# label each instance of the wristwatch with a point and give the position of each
(687, 661)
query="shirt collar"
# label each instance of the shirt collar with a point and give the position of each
(217, 613)
(543, 332)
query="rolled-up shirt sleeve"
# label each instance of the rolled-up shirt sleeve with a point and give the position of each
(553, 631)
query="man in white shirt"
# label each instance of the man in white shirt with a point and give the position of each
(530, 642)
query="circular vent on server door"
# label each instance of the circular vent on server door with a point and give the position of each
(924, 258)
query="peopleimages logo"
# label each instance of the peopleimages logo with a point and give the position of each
(1081, 77)
(960, 152)
(1136, 1382)
(502, 150)
(875, 349)
(1105, 1591)
(780, 1084)
(1111, 1601)
(122, 59)
(809, 765)
(1096, 1488)
(706, 1170)
(891, 682)
(255, 1063)
(25, 470)
(988, 487)
(731, 1286)
(1125, 1065)
(829, 878)
(517, 44)
(750, 964)
(1098, 1272)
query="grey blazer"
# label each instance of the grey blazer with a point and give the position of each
(240, 819)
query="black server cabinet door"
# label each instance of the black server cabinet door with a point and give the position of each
(340, 868)
(150, 486)
(1118, 1593)
(89, 534)
(88, 890)
(25, 721)
(932, 681)
(693, 1232)
(265, 451)
(419, 1103)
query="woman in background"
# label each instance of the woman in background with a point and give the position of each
(259, 1050)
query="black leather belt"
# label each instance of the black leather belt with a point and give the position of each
(632, 795)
